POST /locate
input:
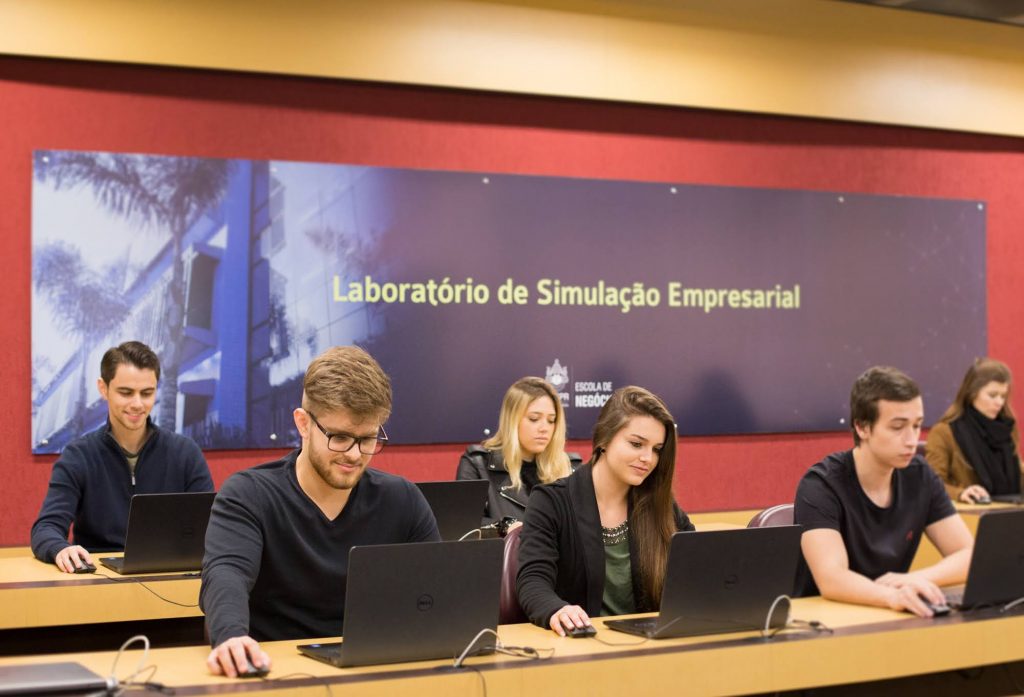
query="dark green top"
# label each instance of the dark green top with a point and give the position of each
(618, 579)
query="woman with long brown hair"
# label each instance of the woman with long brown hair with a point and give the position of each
(596, 543)
(973, 447)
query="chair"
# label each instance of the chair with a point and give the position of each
(510, 612)
(782, 514)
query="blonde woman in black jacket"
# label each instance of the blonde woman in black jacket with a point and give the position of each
(527, 450)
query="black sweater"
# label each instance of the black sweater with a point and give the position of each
(92, 485)
(276, 567)
(561, 554)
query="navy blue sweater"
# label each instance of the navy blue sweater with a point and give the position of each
(92, 485)
(276, 567)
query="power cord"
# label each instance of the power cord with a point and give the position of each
(143, 585)
(294, 676)
(117, 687)
(479, 534)
(598, 639)
(771, 613)
(1012, 604)
(528, 652)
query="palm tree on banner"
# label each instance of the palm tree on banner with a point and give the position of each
(165, 194)
(87, 305)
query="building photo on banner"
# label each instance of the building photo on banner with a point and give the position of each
(746, 308)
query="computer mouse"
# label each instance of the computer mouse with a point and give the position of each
(581, 632)
(251, 671)
(85, 569)
(983, 500)
(938, 609)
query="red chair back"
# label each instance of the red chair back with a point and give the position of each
(781, 514)
(510, 612)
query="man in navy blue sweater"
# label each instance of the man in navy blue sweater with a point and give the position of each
(96, 475)
(276, 562)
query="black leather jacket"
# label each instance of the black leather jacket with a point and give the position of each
(502, 500)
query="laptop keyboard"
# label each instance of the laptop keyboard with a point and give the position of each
(638, 624)
(954, 598)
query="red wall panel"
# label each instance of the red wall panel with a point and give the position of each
(66, 105)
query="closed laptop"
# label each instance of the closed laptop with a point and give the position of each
(63, 678)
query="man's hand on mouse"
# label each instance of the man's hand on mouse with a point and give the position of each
(71, 558)
(232, 657)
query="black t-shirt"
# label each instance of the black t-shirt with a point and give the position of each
(878, 540)
(529, 476)
(276, 567)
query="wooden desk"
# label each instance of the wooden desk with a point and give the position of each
(868, 644)
(34, 594)
(735, 518)
(92, 610)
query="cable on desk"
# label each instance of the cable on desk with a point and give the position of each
(479, 534)
(1012, 604)
(598, 639)
(517, 651)
(767, 631)
(140, 583)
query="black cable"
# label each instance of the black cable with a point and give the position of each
(1017, 687)
(598, 639)
(800, 626)
(483, 681)
(140, 583)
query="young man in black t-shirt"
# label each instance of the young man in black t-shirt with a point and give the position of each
(864, 510)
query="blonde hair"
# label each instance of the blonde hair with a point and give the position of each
(347, 377)
(552, 462)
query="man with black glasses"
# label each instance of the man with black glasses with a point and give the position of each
(277, 545)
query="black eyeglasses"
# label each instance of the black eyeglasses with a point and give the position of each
(343, 442)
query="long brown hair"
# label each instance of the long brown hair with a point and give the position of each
(652, 519)
(982, 372)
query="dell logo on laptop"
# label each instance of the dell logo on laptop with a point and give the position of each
(424, 602)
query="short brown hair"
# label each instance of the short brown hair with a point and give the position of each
(874, 384)
(347, 377)
(133, 353)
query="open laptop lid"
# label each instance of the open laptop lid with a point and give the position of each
(166, 532)
(996, 575)
(49, 679)
(417, 601)
(458, 506)
(726, 580)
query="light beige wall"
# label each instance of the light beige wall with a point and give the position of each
(802, 57)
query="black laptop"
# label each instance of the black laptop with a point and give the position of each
(996, 575)
(722, 581)
(166, 532)
(63, 678)
(1017, 499)
(415, 602)
(458, 506)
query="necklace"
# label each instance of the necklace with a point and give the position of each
(615, 535)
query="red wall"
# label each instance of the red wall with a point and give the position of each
(65, 105)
